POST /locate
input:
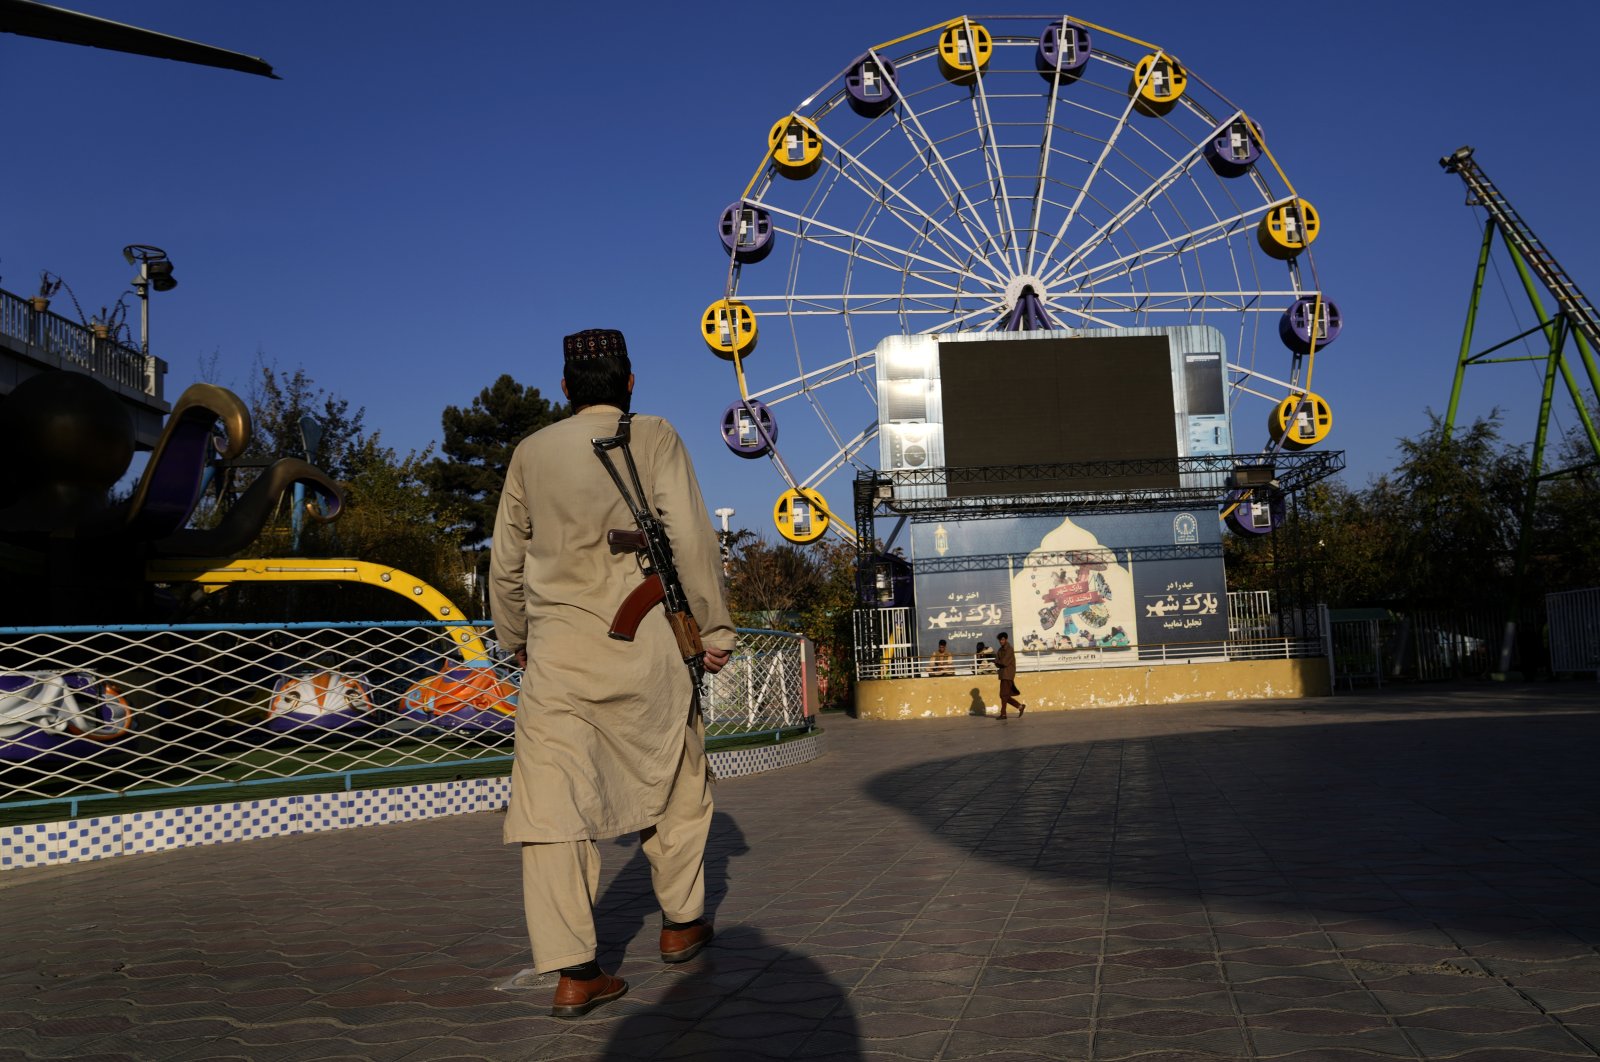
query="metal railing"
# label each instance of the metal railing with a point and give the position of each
(885, 648)
(1424, 645)
(1357, 652)
(1250, 614)
(92, 713)
(885, 642)
(54, 339)
(1106, 485)
(1574, 617)
(1142, 655)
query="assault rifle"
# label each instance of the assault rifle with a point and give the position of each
(661, 584)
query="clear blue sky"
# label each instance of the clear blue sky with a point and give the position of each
(434, 194)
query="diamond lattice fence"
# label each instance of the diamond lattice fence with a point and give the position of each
(88, 712)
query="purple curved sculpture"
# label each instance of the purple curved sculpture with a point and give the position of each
(746, 232)
(1233, 150)
(870, 86)
(1070, 50)
(170, 488)
(1294, 327)
(743, 427)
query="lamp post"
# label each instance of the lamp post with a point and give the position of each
(310, 441)
(155, 271)
(724, 513)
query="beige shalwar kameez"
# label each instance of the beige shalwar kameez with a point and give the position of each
(604, 742)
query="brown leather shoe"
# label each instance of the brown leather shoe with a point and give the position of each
(681, 945)
(575, 998)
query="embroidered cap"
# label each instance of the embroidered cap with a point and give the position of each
(594, 343)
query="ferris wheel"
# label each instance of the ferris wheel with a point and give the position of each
(1035, 174)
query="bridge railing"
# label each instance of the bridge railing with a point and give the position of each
(94, 713)
(56, 340)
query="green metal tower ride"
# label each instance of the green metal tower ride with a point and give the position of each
(1574, 319)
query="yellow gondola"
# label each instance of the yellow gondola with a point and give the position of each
(801, 515)
(729, 327)
(795, 144)
(964, 50)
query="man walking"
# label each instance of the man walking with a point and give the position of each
(1005, 661)
(609, 739)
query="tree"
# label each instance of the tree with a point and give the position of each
(810, 589)
(1334, 533)
(827, 618)
(1453, 509)
(280, 401)
(766, 580)
(1347, 542)
(1439, 531)
(1566, 545)
(477, 448)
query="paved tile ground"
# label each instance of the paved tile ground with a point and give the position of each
(1403, 874)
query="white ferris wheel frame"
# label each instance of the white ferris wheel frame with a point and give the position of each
(957, 276)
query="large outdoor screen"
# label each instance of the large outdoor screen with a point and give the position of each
(1052, 401)
(1008, 402)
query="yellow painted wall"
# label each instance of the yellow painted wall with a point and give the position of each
(1056, 691)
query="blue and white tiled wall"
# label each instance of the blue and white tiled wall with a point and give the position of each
(80, 840)
(735, 762)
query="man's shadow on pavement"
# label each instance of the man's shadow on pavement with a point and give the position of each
(740, 991)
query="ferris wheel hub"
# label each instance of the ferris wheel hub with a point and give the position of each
(1018, 286)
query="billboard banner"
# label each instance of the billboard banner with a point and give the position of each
(1064, 584)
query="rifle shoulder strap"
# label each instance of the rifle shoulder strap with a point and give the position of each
(620, 441)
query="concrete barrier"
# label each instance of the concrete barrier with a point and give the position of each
(1055, 691)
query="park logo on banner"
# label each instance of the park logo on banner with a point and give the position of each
(1185, 530)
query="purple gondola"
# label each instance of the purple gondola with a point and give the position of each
(1233, 150)
(746, 231)
(1257, 515)
(1294, 327)
(870, 86)
(743, 427)
(1063, 48)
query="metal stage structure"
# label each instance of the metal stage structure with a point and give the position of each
(885, 622)
(1200, 481)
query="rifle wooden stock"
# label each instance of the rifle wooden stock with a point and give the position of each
(646, 596)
